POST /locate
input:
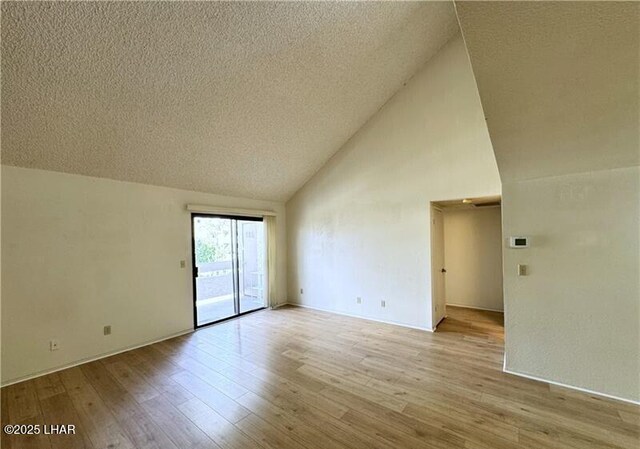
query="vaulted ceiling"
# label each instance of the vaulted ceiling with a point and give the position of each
(239, 98)
(559, 83)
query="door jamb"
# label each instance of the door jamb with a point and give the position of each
(434, 270)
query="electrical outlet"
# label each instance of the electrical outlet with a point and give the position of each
(183, 263)
(107, 330)
(358, 300)
(302, 291)
(383, 303)
(54, 345)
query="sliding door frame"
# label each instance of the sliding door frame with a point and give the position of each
(235, 268)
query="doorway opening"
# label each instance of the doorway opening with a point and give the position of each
(466, 259)
(228, 267)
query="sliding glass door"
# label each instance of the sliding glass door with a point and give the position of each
(251, 261)
(229, 266)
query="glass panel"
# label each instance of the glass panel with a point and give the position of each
(251, 265)
(213, 239)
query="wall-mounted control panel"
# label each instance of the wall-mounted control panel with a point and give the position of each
(519, 242)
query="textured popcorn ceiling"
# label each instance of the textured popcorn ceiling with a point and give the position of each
(245, 99)
(559, 83)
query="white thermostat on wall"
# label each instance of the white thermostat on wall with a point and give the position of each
(518, 242)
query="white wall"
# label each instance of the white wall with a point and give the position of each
(575, 319)
(360, 226)
(79, 253)
(473, 257)
(0, 276)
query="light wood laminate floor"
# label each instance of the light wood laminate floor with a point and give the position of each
(297, 378)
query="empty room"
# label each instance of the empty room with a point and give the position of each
(320, 225)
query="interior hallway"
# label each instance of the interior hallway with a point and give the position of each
(484, 324)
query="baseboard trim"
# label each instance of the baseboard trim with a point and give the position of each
(474, 308)
(304, 306)
(571, 387)
(277, 306)
(92, 358)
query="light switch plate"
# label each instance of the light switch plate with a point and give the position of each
(522, 270)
